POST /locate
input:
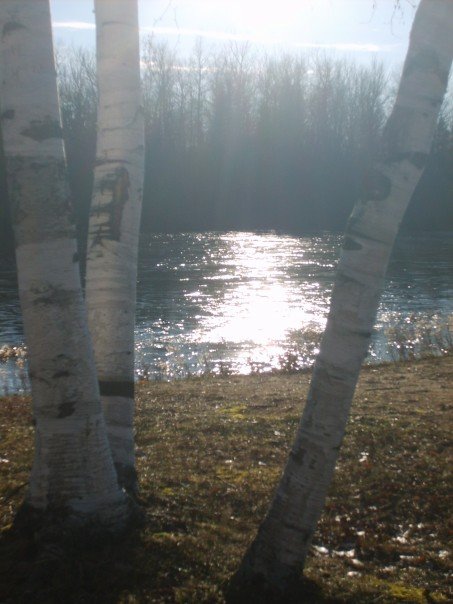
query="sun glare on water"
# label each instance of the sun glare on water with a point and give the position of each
(261, 301)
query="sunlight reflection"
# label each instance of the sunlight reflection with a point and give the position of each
(252, 302)
(262, 300)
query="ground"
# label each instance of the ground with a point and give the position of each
(210, 451)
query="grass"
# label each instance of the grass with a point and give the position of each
(210, 451)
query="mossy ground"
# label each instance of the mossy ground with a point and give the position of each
(210, 451)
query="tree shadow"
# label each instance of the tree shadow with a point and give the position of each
(146, 563)
(90, 566)
(257, 590)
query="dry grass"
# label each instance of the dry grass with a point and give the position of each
(210, 451)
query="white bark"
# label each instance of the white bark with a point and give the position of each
(277, 555)
(114, 223)
(72, 470)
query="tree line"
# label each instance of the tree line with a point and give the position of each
(237, 140)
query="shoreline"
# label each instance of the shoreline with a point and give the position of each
(289, 364)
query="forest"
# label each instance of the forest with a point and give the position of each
(237, 140)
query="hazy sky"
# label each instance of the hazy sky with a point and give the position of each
(364, 29)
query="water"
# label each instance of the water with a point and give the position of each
(247, 302)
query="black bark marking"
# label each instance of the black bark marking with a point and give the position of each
(327, 373)
(377, 186)
(39, 378)
(11, 26)
(394, 139)
(117, 184)
(62, 373)
(419, 159)
(106, 162)
(305, 535)
(66, 409)
(364, 333)
(52, 219)
(50, 295)
(75, 257)
(41, 130)
(350, 244)
(312, 464)
(111, 388)
(8, 114)
(347, 281)
(356, 216)
(357, 233)
(298, 456)
(127, 478)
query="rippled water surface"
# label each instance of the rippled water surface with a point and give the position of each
(243, 302)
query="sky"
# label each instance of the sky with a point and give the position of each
(361, 29)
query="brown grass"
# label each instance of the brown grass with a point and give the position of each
(210, 451)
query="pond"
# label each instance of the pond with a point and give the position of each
(242, 302)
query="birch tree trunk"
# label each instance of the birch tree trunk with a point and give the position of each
(73, 474)
(275, 559)
(114, 224)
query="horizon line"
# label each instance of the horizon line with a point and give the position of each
(227, 36)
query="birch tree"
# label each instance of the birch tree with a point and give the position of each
(114, 224)
(275, 559)
(73, 476)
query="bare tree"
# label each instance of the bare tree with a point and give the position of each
(275, 559)
(73, 477)
(114, 224)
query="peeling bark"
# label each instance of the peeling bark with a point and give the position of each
(10, 27)
(114, 224)
(41, 130)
